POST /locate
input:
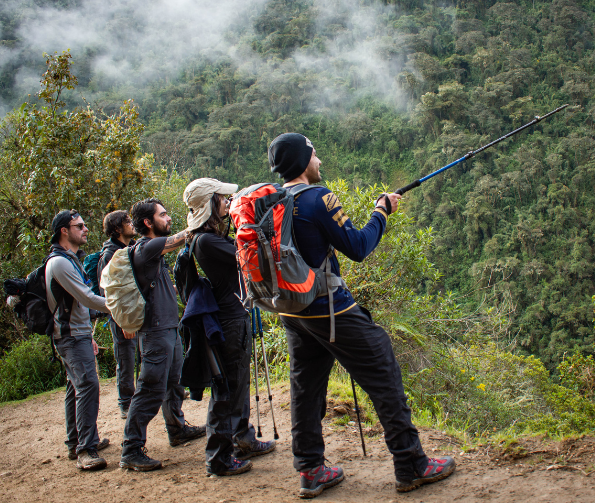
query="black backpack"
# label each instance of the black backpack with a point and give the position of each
(33, 307)
(185, 272)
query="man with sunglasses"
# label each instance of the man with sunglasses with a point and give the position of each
(70, 298)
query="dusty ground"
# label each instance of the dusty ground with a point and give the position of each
(34, 465)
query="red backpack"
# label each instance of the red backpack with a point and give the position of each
(276, 276)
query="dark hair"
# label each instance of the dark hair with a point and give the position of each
(215, 223)
(113, 223)
(141, 210)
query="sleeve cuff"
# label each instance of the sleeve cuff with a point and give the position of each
(382, 212)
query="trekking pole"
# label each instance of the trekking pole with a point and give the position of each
(266, 370)
(137, 360)
(471, 154)
(359, 421)
(259, 434)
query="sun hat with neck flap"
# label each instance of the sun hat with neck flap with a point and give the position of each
(197, 196)
(289, 155)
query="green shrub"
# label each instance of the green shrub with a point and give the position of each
(27, 369)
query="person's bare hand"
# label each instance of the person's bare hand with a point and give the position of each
(128, 335)
(394, 200)
(95, 347)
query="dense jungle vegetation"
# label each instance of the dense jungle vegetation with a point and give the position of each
(387, 92)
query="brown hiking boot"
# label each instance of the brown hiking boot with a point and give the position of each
(103, 443)
(438, 469)
(90, 460)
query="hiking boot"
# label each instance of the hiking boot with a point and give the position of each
(186, 394)
(139, 461)
(124, 413)
(90, 460)
(103, 443)
(257, 448)
(237, 466)
(188, 432)
(318, 479)
(438, 469)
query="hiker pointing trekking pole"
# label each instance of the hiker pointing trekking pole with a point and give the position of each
(286, 239)
(473, 153)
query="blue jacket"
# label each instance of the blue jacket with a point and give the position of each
(202, 309)
(319, 221)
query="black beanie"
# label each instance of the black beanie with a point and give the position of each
(289, 155)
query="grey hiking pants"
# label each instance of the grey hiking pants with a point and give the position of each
(228, 423)
(158, 386)
(365, 350)
(124, 350)
(82, 391)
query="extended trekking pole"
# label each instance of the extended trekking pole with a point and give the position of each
(259, 432)
(266, 370)
(469, 155)
(359, 421)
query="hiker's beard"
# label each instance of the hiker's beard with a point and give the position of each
(161, 230)
(313, 174)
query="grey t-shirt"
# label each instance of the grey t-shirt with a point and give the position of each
(161, 311)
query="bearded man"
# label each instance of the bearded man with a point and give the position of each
(161, 347)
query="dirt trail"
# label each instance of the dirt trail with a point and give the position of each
(34, 465)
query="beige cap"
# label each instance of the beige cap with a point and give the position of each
(197, 196)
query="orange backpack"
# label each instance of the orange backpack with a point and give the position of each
(276, 277)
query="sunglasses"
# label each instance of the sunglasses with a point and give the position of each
(80, 226)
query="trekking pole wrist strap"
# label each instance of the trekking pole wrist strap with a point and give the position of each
(387, 206)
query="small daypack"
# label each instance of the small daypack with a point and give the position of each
(276, 277)
(123, 296)
(32, 307)
(185, 272)
(90, 267)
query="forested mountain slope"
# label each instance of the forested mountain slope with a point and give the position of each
(387, 91)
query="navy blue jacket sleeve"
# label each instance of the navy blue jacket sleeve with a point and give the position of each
(339, 230)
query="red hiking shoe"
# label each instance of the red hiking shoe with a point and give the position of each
(438, 469)
(318, 479)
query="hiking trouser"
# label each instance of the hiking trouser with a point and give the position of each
(365, 350)
(228, 424)
(157, 386)
(124, 350)
(82, 391)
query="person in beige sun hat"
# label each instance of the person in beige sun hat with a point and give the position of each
(198, 195)
(231, 439)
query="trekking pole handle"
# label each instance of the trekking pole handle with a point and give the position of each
(407, 188)
(258, 318)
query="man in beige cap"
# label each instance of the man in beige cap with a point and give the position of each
(231, 439)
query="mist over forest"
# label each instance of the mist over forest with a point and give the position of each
(387, 91)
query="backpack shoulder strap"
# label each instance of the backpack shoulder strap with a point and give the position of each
(193, 243)
(296, 190)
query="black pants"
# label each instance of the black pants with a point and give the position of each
(82, 391)
(228, 422)
(365, 350)
(124, 350)
(158, 386)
